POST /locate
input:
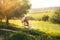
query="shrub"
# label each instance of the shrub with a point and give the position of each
(56, 17)
(45, 18)
(31, 18)
(21, 36)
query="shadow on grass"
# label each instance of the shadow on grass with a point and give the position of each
(24, 34)
(9, 26)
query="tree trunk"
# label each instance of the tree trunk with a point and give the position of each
(7, 20)
(0, 20)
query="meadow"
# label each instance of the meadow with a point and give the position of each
(41, 30)
(37, 15)
(47, 28)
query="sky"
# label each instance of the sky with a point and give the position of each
(44, 3)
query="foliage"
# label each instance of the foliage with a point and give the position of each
(45, 18)
(21, 9)
(13, 8)
(21, 36)
(31, 18)
(26, 34)
(56, 17)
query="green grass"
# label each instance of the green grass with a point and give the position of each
(41, 31)
(41, 14)
(47, 27)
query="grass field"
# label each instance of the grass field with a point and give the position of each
(46, 30)
(47, 27)
(41, 14)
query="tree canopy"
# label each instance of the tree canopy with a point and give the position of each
(14, 7)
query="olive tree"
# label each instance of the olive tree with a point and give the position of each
(13, 8)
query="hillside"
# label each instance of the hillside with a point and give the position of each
(43, 9)
(38, 13)
(40, 31)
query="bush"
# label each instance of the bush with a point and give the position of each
(21, 36)
(31, 18)
(45, 18)
(27, 35)
(56, 17)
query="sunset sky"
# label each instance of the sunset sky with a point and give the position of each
(44, 3)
